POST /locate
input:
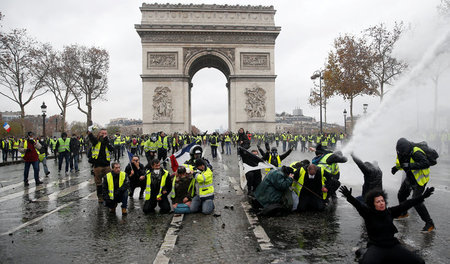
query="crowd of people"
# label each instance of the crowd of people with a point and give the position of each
(306, 185)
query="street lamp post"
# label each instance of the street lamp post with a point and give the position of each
(44, 110)
(345, 121)
(56, 125)
(319, 74)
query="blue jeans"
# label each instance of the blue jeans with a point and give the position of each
(206, 205)
(228, 147)
(44, 164)
(35, 165)
(63, 155)
(74, 159)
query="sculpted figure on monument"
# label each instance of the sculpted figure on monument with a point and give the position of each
(256, 102)
(162, 103)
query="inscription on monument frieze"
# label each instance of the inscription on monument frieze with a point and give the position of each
(162, 60)
(252, 61)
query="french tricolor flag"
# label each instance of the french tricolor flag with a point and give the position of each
(6, 127)
(180, 156)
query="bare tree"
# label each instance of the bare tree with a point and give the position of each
(347, 70)
(444, 8)
(21, 80)
(92, 68)
(60, 78)
(384, 67)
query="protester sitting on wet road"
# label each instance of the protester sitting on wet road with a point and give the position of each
(183, 187)
(372, 176)
(383, 246)
(135, 170)
(204, 200)
(158, 186)
(115, 189)
(271, 194)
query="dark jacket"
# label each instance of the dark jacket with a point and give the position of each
(118, 192)
(138, 172)
(101, 161)
(405, 153)
(156, 183)
(272, 188)
(372, 175)
(243, 140)
(74, 146)
(313, 186)
(379, 224)
(182, 189)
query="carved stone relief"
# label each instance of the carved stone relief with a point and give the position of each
(162, 60)
(256, 102)
(190, 52)
(162, 103)
(252, 61)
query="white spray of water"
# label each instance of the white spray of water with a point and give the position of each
(401, 114)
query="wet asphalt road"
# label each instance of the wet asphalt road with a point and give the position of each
(61, 222)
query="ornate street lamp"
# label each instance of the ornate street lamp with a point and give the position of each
(44, 110)
(319, 74)
(345, 121)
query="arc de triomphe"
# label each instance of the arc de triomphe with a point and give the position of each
(178, 40)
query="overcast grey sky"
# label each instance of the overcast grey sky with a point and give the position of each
(308, 29)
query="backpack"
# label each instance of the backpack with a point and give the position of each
(431, 153)
(213, 140)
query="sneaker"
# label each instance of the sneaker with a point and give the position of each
(46, 175)
(26, 183)
(124, 211)
(428, 227)
(401, 217)
(39, 182)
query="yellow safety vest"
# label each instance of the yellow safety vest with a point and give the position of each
(330, 168)
(205, 183)
(96, 151)
(297, 185)
(270, 159)
(109, 179)
(148, 188)
(422, 176)
(64, 144)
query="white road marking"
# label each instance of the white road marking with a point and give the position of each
(41, 217)
(169, 240)
(261, 235)
(64, 192)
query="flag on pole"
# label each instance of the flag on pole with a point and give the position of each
(249, 162)
(6, 127)
(180, 156)
(130, 157)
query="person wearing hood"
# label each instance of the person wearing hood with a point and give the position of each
(372, 176)
(270, 194)
(243, 140)
(382, 245)
(414, 162)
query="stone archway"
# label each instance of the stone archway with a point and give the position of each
(179, 40)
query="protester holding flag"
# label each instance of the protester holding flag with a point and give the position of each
(136, 172)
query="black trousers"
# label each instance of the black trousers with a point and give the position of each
(417, 190)
(117, 152)
(253, 180)
(394, 254)
(150, 205)
(310, 203)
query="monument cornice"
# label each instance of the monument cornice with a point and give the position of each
(163, 77)
(206, 7)
(202, 28)
(203, 37)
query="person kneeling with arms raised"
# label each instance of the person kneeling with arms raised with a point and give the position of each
(383, 246)
(115, 189)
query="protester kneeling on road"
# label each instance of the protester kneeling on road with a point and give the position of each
(183, 186)
(204, 200)
(382, 245)
(157, 187)
(115, 189)
(274, 194)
